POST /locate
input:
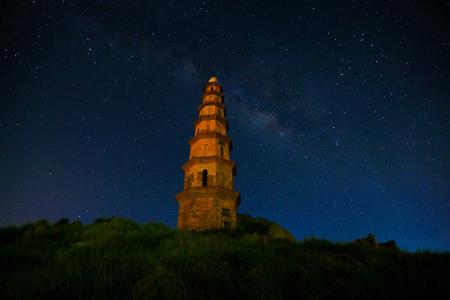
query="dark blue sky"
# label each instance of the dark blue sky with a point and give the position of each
(338, 111)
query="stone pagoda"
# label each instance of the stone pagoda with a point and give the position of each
(209, 200)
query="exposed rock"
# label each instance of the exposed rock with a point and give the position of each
(370, 240)
(389, 245)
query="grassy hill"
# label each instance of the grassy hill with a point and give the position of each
(119, 259)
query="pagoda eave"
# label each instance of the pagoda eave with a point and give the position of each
(208, 159)
(209, 118)
(209, 135)
(206, 93)
(206, 103)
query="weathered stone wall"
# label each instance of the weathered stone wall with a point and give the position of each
(211, 126)
(209, 147)
(212, 110)
(203, 210)
(218, 175)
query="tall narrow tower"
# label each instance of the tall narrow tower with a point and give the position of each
(209, 200)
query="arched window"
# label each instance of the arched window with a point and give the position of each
(211, 88)
(208, 128)
(205, 177)
(221, 151)
(189, 180)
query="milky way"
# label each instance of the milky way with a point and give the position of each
(338, 111)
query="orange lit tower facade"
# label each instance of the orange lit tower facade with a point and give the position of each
(209, 200)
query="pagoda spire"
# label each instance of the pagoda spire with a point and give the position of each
(209, 200)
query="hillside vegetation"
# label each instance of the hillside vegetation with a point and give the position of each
(120, 259)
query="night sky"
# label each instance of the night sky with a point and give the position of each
(339, 111)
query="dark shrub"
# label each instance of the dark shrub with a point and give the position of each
(62, 222)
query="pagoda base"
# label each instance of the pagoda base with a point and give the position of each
(207, 208)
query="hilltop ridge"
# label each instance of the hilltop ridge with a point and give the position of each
(119, 259)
